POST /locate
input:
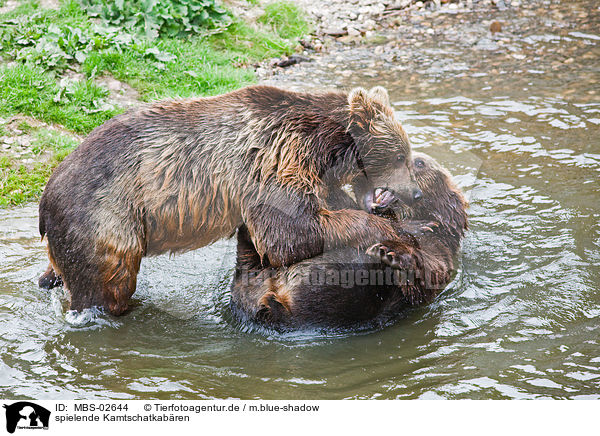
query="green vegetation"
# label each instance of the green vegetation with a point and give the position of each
(20, 182)
(153, 18)
(77, 105)
(172, 48)
(286, 19)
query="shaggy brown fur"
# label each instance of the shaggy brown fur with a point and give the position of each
(346, 288)
(178, 175)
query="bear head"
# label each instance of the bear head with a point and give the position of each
(441, 200)
(382, 148)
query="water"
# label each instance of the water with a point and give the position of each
(521, 319)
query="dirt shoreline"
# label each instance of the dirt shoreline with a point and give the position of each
(342, 25)
(421, 46)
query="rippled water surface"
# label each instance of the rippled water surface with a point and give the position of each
(518, 125)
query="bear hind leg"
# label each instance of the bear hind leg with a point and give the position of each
(109, 284)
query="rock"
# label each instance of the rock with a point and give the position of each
(486, 44)
(496, 27)
(335, 32)
(23, 141)
(291, 60)
(369, 24)
(49, 4)
(307, 44)
(8, 6)
(121, 93)
(353, 32)
(500, 5)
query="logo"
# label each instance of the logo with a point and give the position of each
(26, 415)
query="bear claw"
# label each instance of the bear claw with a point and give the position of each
(391, 257)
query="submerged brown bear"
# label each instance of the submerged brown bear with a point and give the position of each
(348, 288)
(179, 175)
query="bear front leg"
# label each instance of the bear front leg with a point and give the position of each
(286, 227)
(354, 228)
(284, 240)
(283, 232)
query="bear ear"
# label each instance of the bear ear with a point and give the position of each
(358, 99)
(380, 95)
(365, 105)
(362, 109)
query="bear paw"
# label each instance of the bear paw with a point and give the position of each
(49, 280)
(272, 309)
(396, 258)
(417, 228)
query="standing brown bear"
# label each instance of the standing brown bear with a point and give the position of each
(346, 287)
(178, 175)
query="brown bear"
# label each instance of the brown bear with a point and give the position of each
(344, 288)
(178, 175)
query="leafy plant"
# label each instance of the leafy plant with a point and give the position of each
(153, 18)
(286, 18)
(56, 47)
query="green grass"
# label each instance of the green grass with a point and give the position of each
(32, 91)
(43, 45)
(20, 183)
(202, 65)
(198, 69)
(286, 18)
(165, 67)
(58, 144)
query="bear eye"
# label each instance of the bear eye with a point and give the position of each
(400, 160)
(419, 163)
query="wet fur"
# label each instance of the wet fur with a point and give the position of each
(413, 267)
(178, 175)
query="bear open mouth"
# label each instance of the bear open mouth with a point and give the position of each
(378, 200)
